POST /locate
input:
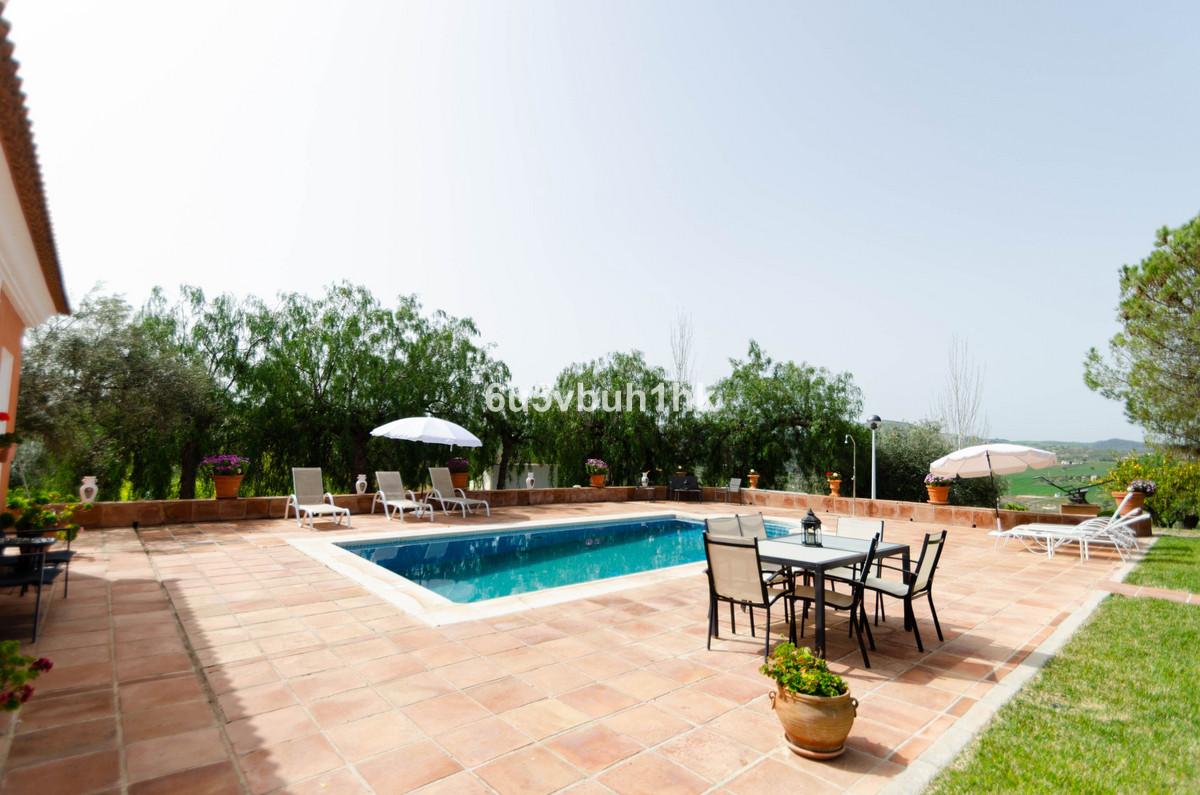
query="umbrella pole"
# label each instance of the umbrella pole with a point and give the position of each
(992, 476)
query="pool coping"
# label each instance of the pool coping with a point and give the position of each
(436, 610)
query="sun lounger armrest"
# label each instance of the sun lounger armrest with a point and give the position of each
(460, 493)
(328, 498)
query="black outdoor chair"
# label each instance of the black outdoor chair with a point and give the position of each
(679, 485)
(914, 584)
(852, 602)
(735, 576)
(26, 570)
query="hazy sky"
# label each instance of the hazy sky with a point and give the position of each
(849, 184)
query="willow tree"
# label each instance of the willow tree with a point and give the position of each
(1153, 365)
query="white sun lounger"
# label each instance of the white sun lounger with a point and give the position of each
(1115, 531)
(444, 492)
(308, 498)
(396, 499)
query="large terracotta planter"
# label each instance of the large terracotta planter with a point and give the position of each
(753, 478)
(835, 488)
(598, 480)
(227, 486)
(815, 726)
(460, 479)
(1141, 527)
(938, 495)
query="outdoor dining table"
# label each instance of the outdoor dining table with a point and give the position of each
(790, 551)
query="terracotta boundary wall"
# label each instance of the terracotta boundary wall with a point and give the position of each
(150, 513)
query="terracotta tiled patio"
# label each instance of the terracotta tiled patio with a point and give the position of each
(217, 658)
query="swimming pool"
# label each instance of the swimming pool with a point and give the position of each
(476, 567)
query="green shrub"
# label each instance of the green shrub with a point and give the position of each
(798, 670)
(1177, 498)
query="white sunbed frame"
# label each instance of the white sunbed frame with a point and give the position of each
(391, 484)
(307, 499)
(1115, 531)
(442, 486)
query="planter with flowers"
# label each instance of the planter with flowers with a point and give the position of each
(226, 471)
(813, 703)
(16, 672)
(597, 470)
(460, 472)
(835, 483)
(938, 488)
(1138, 491)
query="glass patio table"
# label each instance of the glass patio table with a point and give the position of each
(791, 552)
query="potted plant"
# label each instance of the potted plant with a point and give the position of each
(226, 471)
(753, 478)
(835, 483)
(460, 472)
(938, 488)
(16, 672)
(597, 470)
(1138, 491)
(36, 515)
(813, 703)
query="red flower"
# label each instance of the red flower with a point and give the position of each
(26, 693)
(4, 416)
(42, 664)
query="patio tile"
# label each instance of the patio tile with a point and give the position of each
(159, 756)
(381, 732)
(69, 740)
(277, 765)
(772, 777)
(244, 702)
(270, 728)
(158, 692)
(443, 713)
(696, 706)
(166, 720)
(484, 740)
(650, 774)
(647, 724)
(596, 701)
(44, 712)
(708, 753)
(417, 687)
(348, 706)
(504, 694)
(593, 748)
(337, 782)
(223, 678)
(533, 771)
(462, 783)
(130, 670)
(79, 775)
(219, 778)
(541, 719)
(407, 768)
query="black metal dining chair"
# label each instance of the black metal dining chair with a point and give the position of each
(28, 570)
(914, 584)
(735, 576)
(852, 602)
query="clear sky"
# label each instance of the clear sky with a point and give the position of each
(849, 184)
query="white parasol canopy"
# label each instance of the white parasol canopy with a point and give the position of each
(428, 429)
(984, 460)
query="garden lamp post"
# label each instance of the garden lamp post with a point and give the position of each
(853, 475)
(873, 423)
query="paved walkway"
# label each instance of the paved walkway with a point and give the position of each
(217, 658)
(1126, 589)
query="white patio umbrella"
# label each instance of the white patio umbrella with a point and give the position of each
(428, 429)
(991, 460)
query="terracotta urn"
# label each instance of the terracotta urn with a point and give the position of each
(815, 726)
(753, 478)
(227, 486)
(598, 479)
(835, 488)
(938, 495)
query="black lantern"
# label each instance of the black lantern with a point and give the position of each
(811, 526)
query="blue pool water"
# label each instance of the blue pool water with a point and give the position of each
(477, 567)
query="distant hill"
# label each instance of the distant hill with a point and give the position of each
(1103, 449)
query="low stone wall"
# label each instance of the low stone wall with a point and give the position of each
(150, 513)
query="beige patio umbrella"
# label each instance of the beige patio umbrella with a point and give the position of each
(1000, 458)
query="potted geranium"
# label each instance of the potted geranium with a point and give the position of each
(835, 483)
(226, 471)
(938, 488)
(597, 470)
(813, 703)
(16, 672)
(460, 472)
(35, 515)
(1138, 491)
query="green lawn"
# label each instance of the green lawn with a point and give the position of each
(1027, 483)
(1173, 562)
(1117, 711)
